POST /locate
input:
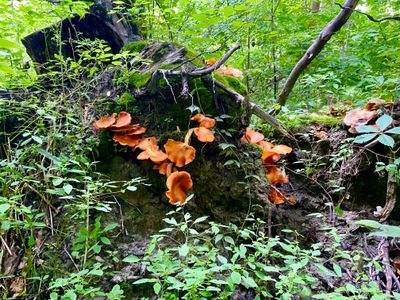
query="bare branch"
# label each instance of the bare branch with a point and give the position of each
(255, 109)
(334, 26)
(396, 18)
(206, 70)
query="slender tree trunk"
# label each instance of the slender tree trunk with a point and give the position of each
(334, 26)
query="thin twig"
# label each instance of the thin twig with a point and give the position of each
(56, 210)
(5, 245)
(395, 18)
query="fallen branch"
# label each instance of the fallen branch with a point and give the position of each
(255, 109)
(198, 72)
(329, 30)
(396, 18)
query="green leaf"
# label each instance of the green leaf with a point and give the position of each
(366, 129)
(6, 44)
(361, 139)
(4, 207)
(369, 224)
(131, 188)
(67, 188)
(395, 130)
(145, 280)
(249, 282)
(105, 240)
(235, 277)
(183, 250)
(157, 288)
(37, 139)
(384, 121)
(229, 240)
(386, 140)
(131, 259)
(201, 219)
(325, 270)
(57, 181)
(110, 227)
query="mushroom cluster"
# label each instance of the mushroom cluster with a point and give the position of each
(177, 154)
(271, 154)
(363, 116)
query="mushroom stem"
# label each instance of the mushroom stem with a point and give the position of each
(188, 135)
(169, 169)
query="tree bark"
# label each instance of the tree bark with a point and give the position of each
(334, 26)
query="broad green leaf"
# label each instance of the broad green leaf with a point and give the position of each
(131, 259)
(6, 44)
(157, 288)
(183, 250)
(384, 121)
(395, 130)
(201, 219)
(386, 140)
(57, 181)
(67, 188)
(325, 270)
(105, 240)
(363, 138)
(4, 207)
(145, 280)
(366, 129)
(236, 278)
(369, 224)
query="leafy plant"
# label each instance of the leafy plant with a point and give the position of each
(379, 132)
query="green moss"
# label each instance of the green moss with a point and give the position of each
(175, 135)
(293, 121)
(135, 46)
(136, 79)
(232, 82)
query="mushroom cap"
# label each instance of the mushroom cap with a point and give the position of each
(252, 136)
(204, 121)
(358, 116)
(266, 146)
(178, 183)
(162, 167)
(148, 142)
(153, 153)
(270, 157)
(373, 104)
(276, 176)
(275, 197)
(127, 140)
(204, 134)
(105, 122)
(134, 129)
(123, 119)
(179, 153)
(229, 71)
(282, 149)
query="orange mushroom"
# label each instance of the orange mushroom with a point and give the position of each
(178, 183)
(204, 121)
(358, 116)
(105, 122)
(282, 149)
(162, 167)
(275, 176)
(276, 196)
(153, 153)
(148, 142)
(270, 157)
(123, 119)
(134, 129)
(179, 153)
(229, 71)
(127, 140)
(266, 146)
(204, 134)
(252, 136)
